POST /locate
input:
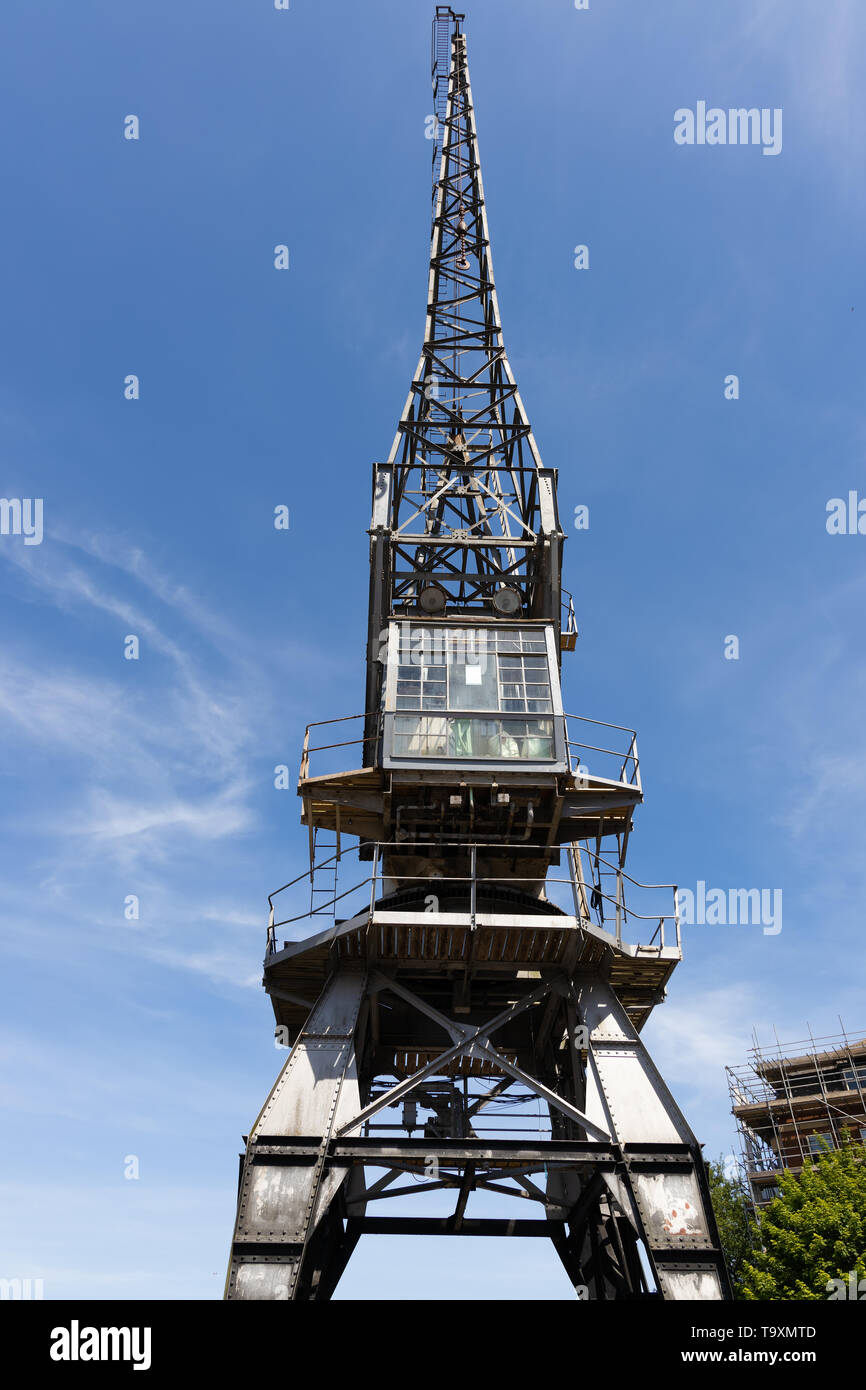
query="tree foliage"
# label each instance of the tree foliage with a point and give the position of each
(730, 1197)
(814, 1232)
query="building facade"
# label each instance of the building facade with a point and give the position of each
(790, 1101)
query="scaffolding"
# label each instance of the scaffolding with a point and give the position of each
(791, 1101)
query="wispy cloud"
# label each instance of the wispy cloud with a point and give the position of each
(129, 775)
(694, 1037)
(165, 756)
(822, 49)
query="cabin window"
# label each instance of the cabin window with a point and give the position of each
(472, 693)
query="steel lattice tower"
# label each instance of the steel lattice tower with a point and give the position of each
(461, 988)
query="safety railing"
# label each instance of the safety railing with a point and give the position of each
(588, 752)
(597, 899)
(769, 1163)
(603, 897)
(618, 764)
(360, 742)
(568, 624)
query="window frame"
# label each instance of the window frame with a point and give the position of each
(821, 1137)
(555, 764)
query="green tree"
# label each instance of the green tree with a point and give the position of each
(730, 1197)
(815, 1231)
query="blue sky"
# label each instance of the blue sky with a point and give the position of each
(259, 387)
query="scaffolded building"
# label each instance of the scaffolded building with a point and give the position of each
(789, 1102)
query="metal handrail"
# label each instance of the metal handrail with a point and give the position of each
(585, 718)
(467, 844)
(325, 747)
(604, 723)
(472, 880)
(568, 631)
(629, 758)
(575, 880)
(613, 868)
(612, 752)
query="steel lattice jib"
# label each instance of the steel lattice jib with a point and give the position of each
(476, 696)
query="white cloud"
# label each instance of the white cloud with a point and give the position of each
(693, 1038)
(165, 748)
(218, 965)
(822, 47)
(113, 818)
